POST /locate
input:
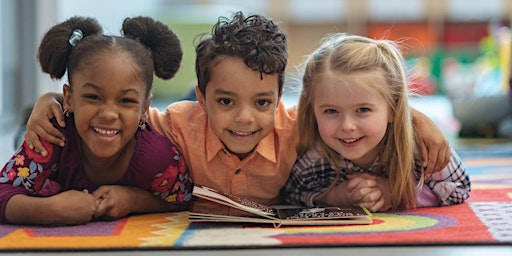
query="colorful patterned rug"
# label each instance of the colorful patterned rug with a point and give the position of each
(486, 219)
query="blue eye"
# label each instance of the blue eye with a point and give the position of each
(330, 111)
(363, 110)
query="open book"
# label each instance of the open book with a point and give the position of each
(214, 206)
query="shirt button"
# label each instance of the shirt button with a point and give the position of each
(238, 171)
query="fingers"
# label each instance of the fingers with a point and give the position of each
(360, 180)
(424, 154)
(435, 157)
(33, 143)
(373, 206)
(56, 111)
(51, 134)
(377, 206)
(430, 157)
(366, 191)
(370, 195)
(101, 192)
(103, 206)
(443, 159)
(102, 201)
(39, 125)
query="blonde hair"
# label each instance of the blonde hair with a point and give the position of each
(341, 54)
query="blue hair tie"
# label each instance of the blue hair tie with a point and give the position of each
(76, 37)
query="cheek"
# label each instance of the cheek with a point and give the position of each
(267, 120)
(326, 127)
(375, 126)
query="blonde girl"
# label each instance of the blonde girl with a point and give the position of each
(356, 141)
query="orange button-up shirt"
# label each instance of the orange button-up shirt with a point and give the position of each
(258, 177)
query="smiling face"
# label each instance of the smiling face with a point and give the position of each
(352, 118)
(107, 99)
(241, 106)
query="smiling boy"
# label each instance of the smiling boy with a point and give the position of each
(238, 138)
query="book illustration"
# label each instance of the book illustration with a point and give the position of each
(318, 213)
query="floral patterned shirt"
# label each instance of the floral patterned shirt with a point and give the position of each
(156, 165)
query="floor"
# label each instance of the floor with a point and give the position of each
(466, 250)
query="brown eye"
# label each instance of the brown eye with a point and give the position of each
(91, 96)
(128, 100)
(225, 102)
(263, 103)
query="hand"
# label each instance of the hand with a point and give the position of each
(114, 201)
(73, 207)
(377, 202)
(434, 147)
(360, 189)
(38, 124)
(369, 191)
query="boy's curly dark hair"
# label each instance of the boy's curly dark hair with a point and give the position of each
(258, 41)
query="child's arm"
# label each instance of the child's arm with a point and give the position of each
(119, 201)
(450, 185)
(39, 125)
(29, 195)
(432, 144)
(67, 208)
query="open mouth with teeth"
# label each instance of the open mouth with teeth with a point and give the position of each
(242, 133)
(349, 141)
(106, 132)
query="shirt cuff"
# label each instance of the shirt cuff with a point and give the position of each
(426, 198)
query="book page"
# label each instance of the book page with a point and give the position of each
(205, 207)
(234, 201)
(321, 213)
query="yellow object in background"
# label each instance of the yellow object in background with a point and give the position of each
(504, 55)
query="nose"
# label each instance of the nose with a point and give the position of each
(109, 112)
(348, 123)
(244, 114)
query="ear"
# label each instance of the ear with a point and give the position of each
(201, 99)
(68, 100)
(145, 109)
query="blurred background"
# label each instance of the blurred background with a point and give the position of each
(458, 51)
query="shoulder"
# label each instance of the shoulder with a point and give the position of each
(177, 111)
(184, 106)
(185, 113)
(154, 151)
(312, 159)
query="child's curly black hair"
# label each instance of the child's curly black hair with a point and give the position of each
(255, 39)
(152, 45)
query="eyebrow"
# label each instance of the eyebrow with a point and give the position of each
(344, 106)
(221, 91)
(97, 88)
